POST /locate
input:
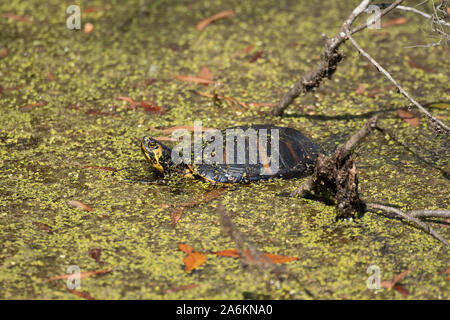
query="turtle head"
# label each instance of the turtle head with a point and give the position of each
(157, 154)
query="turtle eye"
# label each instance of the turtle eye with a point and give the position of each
(152, 145)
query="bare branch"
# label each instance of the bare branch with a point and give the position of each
(426, 15)
(430, 213)
(330, 58)
(341, 153)
(416, 222)
(432, 120)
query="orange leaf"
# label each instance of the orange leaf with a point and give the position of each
(229, 253)
(394, 22)
(194, 79)
(188, 128)
(185, 248)
(80, 205)
(194, 260)
(279, 259)
(164, 139)
(446, 271)
(408, 117)
(3, 52)
(83, 275)
(81, 294)
(361, 88)
(247, 50)
(204, 73)
(88, 28)
(148, 106)
(391, 283)
(15, 17)
(34, 105)
(223, 14)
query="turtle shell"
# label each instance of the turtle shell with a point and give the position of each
(292, 156)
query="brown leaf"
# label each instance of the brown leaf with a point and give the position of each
(194, 79)
(194, 260)
(88, 27)
(247, 50)
(394, 22)
(254, 104)
(95, 254)
(256, 56)
(95, 9)
(81, 294)
(446, 271)
(272, 257)
(100, 168)
(389, 284)
(414, 65)
(175, 215)
(204, 73)
(205, 22)
(182, 288)
(408, 117)
(3, 52)
(164, 138)
(83, 275)
(80, 205)
(148, 106)
(403, 291)
(43, 226)
(361, 88)
(188, 128)
(374, 92)
(15, 17)
(35, 105)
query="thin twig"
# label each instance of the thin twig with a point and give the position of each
(432, 119)
(257, 258)
(330, 58)
(415, 221)
(426, 15)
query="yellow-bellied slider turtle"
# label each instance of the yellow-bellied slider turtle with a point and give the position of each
(283, 152)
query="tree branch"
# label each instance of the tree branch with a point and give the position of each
(330, 58)
(416, 222)
(436, 125)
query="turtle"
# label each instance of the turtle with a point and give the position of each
(292, 154)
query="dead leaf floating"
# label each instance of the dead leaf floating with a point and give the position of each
(16, 17)
(205, 22)
(3, 52)
(81, 205)
(88, 28)
(272, 257)
(193, 259)
(394, 22)
(392, 284)
(147, 106)
(408, 117)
